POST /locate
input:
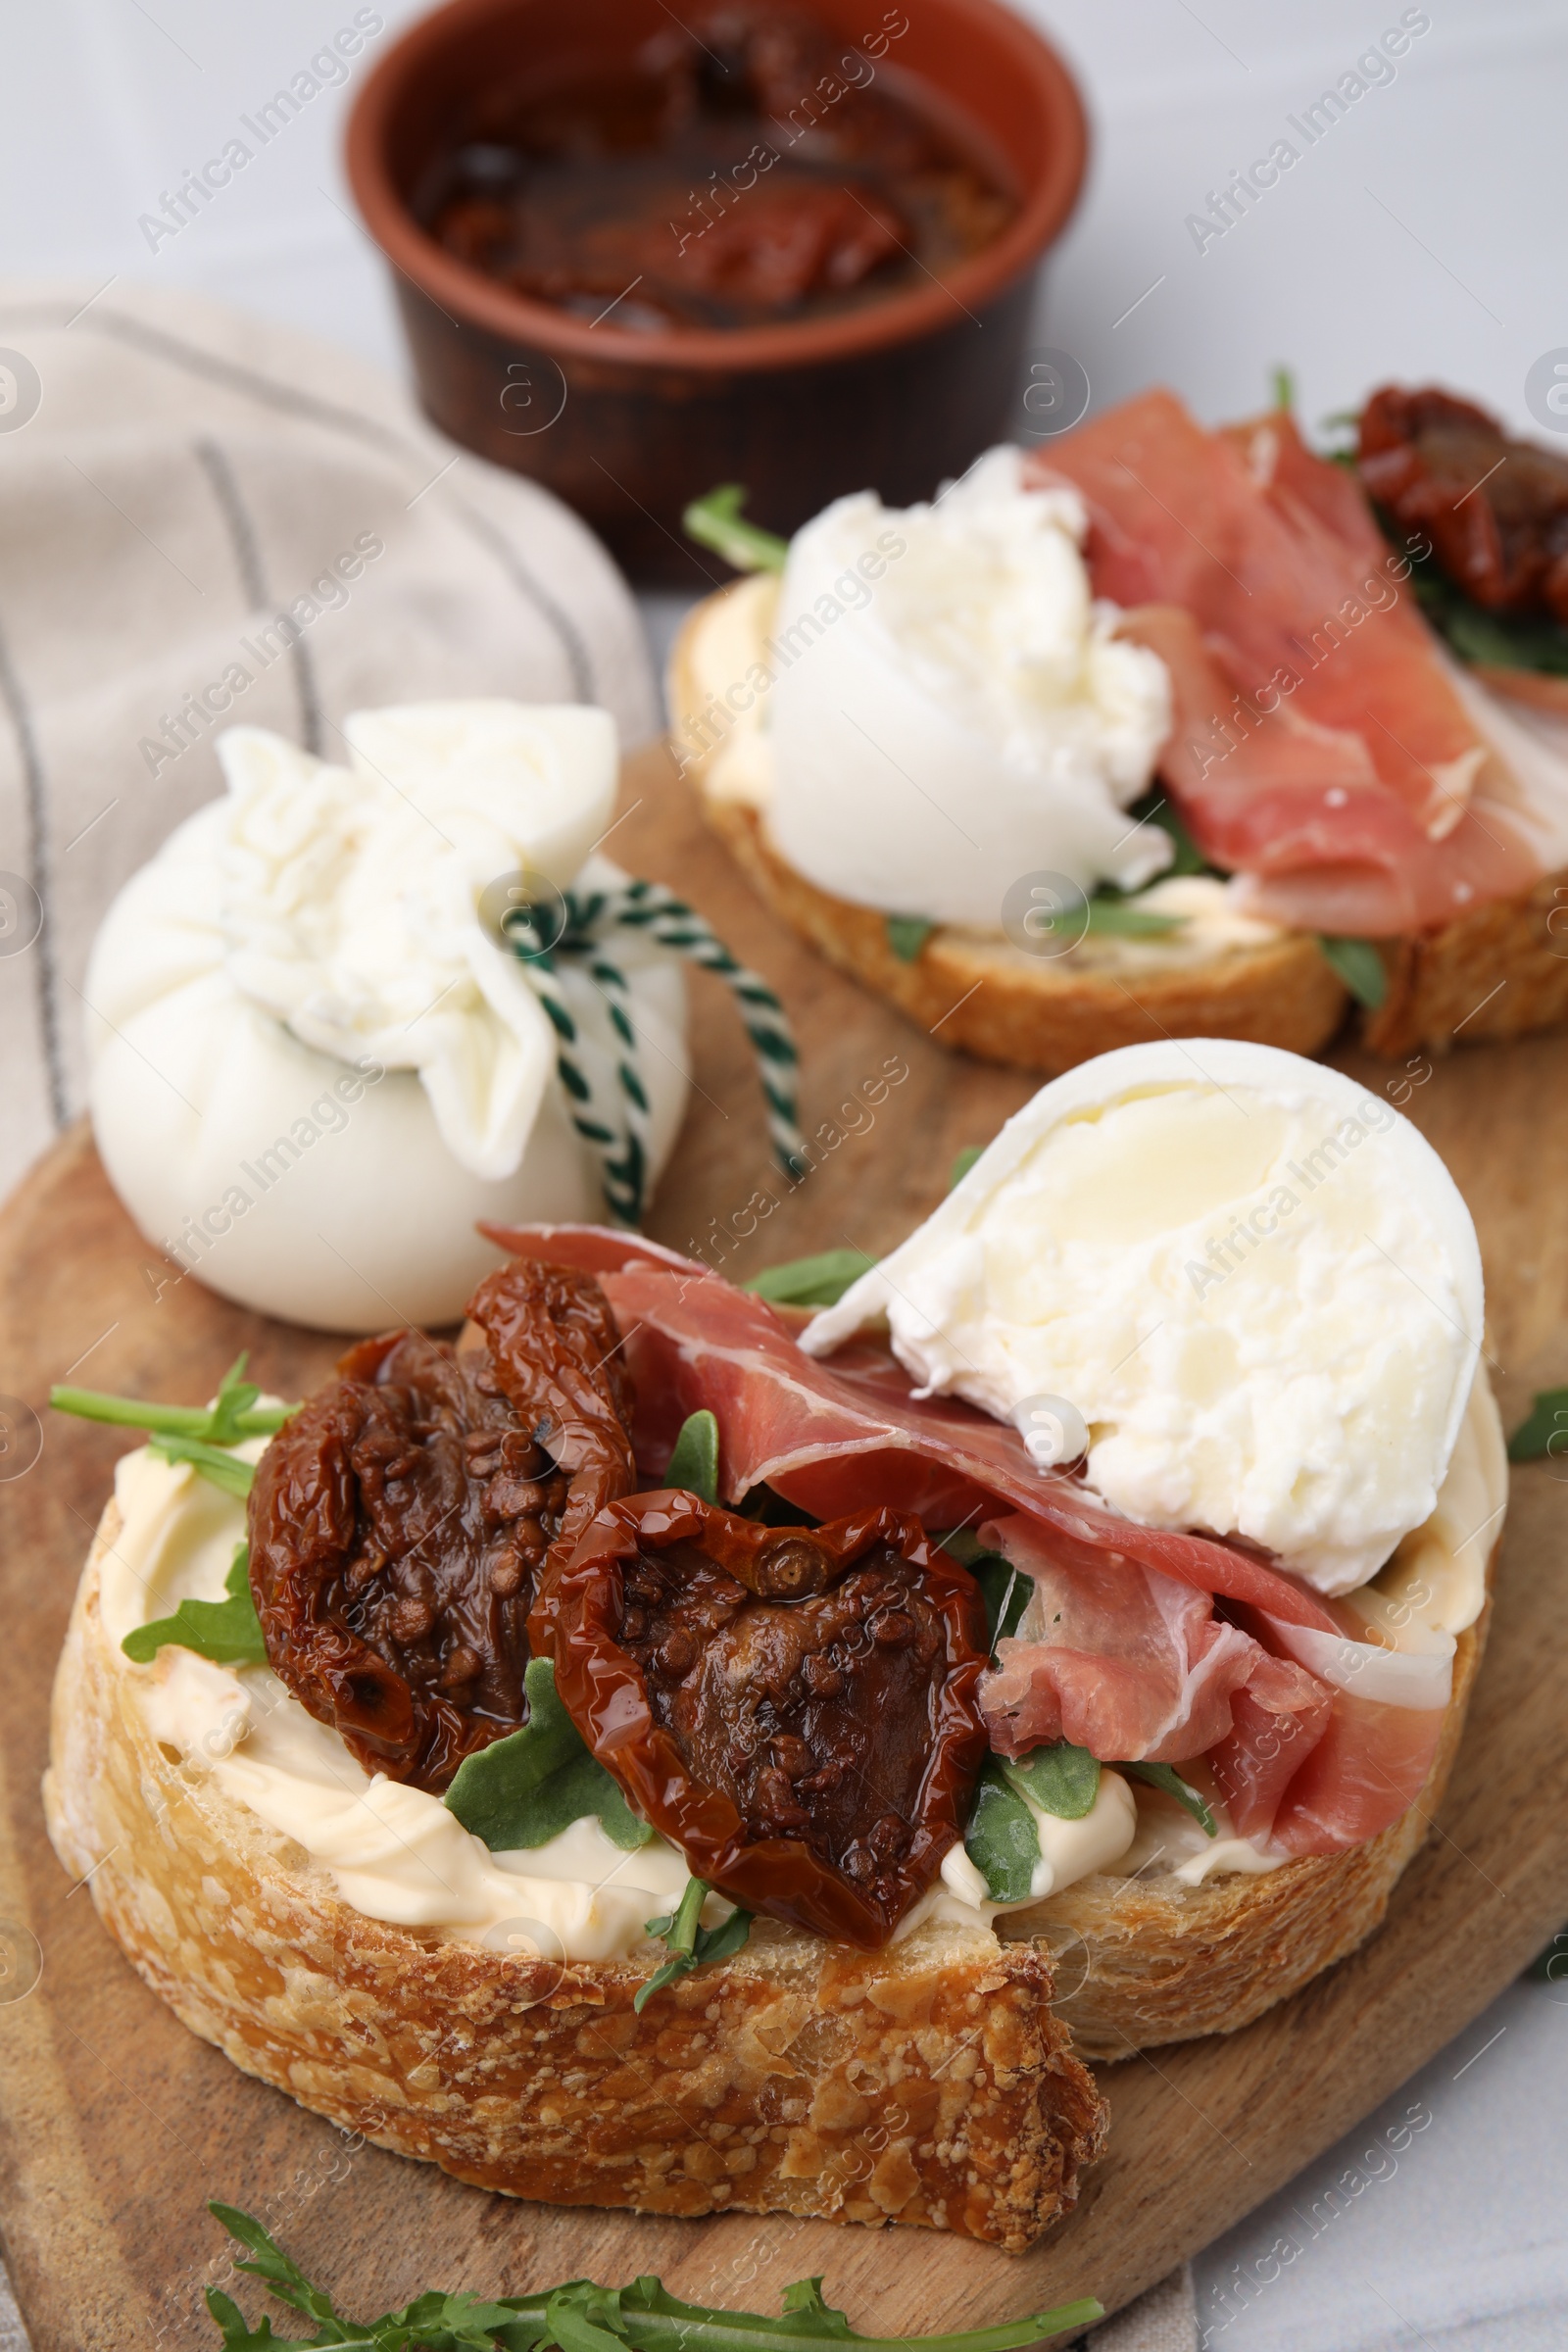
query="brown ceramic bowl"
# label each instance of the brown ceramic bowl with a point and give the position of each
(628, 426)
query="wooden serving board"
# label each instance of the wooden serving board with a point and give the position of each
(118, 2125)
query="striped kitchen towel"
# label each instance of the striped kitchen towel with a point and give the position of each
(206, 518)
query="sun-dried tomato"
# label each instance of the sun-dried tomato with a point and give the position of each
(1496, 509)
(794, 1707)
(400, 1525)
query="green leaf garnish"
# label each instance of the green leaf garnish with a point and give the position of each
(820, 1281)
(233, 1415)
(1062, 1780)
(1502, 640)
(694, 1464)
(580, 2317)
(1003, 1837)
(1155, 808)
(716, 521)
(1003, 1841)
(688, 1944)
(1536, 1439)
(1121, 918)
(196, 1433)
(229, 1631)
(1005, 1589)
(1282, 381)
(1166, 1777)
(1359, 967)
(907, 935)
(226, 1470)
(524, 1789)
(963, 1162)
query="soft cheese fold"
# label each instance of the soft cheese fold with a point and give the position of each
(1257, 1283)
(968, 719)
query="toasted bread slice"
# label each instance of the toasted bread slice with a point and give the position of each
(1499, 971)
(929, 2082)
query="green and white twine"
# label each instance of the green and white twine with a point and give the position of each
(618, 1129)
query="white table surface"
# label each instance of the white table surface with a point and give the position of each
(1421, 237)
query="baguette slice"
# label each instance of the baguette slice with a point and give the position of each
(928, 2084)
(1499, 971)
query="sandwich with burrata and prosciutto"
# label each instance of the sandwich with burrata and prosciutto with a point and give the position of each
(1157, 730)
(686, 1748)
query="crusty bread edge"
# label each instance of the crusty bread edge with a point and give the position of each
(1499, 971)
(1140, 1962)
(929, 2083)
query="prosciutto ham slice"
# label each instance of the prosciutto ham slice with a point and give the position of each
(1324, 745)
(1134, 1666)
(1128, 1663)
(837, 1437)
(1142, 1664)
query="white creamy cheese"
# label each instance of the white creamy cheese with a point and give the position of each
(951, 709)
(732, 722)
(1257, 1283)
(314, 1067)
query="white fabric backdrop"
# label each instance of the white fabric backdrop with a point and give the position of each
(1419, 237)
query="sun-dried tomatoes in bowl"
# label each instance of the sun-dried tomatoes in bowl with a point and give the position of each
(406, 1520)
(794, 1707)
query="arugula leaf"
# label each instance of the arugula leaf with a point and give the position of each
(1282, 382)
(694, 1464)
(820, 1281)
(1155, 808)
(716, 521)
(523, 1790)
(1004, 1589)
(581, 2317)
(907, 935)
(1005, 1593)
(805, 2300)
(1359, 967)
(229, 1631)
(1166, 1777)
(240, 2336)
(1119, 917)
(431, 2322)
(1003, 1837)
(688, 1944)
(283, 2275)
(197, 1433)
(234, 1415)
(1504, 640)
(963, 1162)
(226, 1470)
(1062, 1780)
(1536, 1439)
